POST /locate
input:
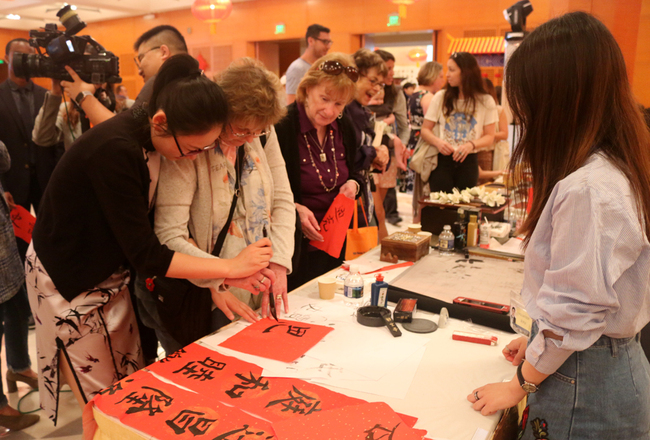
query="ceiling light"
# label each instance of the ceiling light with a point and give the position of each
(13, 17)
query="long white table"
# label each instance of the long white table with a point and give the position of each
(448, 371)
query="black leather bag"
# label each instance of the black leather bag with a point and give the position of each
(185, 309)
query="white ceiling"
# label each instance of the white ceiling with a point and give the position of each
(36, 13)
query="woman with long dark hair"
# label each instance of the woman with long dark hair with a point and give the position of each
(460, 120)
(93, 226)
(587, 270)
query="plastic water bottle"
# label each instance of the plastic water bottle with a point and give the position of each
(353, 288)
(446, 241)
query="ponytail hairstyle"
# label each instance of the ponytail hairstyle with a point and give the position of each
(471, 85)
(570, 95)
(192, 103)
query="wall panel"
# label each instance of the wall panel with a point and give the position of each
(254, 21)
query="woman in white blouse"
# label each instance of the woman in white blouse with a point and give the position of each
(587, 271)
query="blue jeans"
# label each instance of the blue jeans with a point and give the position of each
(14, 314)
(602, 392)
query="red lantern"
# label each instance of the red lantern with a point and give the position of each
(211, 11)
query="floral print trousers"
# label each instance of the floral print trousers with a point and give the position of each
(96, 332)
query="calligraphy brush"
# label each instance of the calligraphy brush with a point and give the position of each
(274, 312)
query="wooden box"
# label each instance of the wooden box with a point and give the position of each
(404, 246)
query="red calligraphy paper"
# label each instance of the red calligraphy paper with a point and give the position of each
(163, 410)
(23, 222)
(409, 420)
(275, 399)
(203, 370)
(366, 421)
(334, 226)
(284, 341)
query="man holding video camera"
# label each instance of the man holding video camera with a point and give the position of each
(31, 165)
(153, 48)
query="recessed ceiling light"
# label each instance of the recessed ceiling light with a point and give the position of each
(73, 7)
(13, 17)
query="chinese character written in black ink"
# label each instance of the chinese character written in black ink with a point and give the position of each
(175, 355)
(293, 330)
(201, 370)
(117, 386)
(247, 383)
(192, 421)
(147, 401)
(243, 432)
(378, 429)
(298, 403)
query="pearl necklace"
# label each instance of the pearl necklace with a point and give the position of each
(323, 158)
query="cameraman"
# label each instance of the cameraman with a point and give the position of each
(153, 48)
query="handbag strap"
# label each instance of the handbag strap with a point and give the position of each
(239, 163)
(355, 224)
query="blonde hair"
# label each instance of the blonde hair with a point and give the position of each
(429, 72)
(254, 93)
(338, 85)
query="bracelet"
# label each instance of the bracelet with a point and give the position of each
(473, 145)
(357, 186)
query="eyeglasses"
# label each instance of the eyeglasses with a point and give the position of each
(332, 67)
(373, 82)
(198, 150)
(325, 42)
(241, 135)
(141, 56)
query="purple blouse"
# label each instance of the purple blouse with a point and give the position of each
(314, 195)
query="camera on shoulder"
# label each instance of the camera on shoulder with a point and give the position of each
(83, 54)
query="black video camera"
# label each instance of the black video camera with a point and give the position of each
(83, 54)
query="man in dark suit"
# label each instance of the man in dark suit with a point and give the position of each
(31, 165)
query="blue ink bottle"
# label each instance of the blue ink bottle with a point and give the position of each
(379, 292)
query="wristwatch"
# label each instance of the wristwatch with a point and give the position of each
(81, 96)
(527, 386)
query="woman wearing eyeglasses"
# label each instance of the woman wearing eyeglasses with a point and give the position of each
(93, 226)
(319, 146)
(460, 121)
(195, 198)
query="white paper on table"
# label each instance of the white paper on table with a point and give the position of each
(395, 384)
(369, 351)
(513, 246)
(480, 434)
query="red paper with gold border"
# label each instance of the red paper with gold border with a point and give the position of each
(163, 410)
(370, 421)
(284, 341)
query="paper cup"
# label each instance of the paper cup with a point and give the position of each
(414, 228)
(326, 287)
